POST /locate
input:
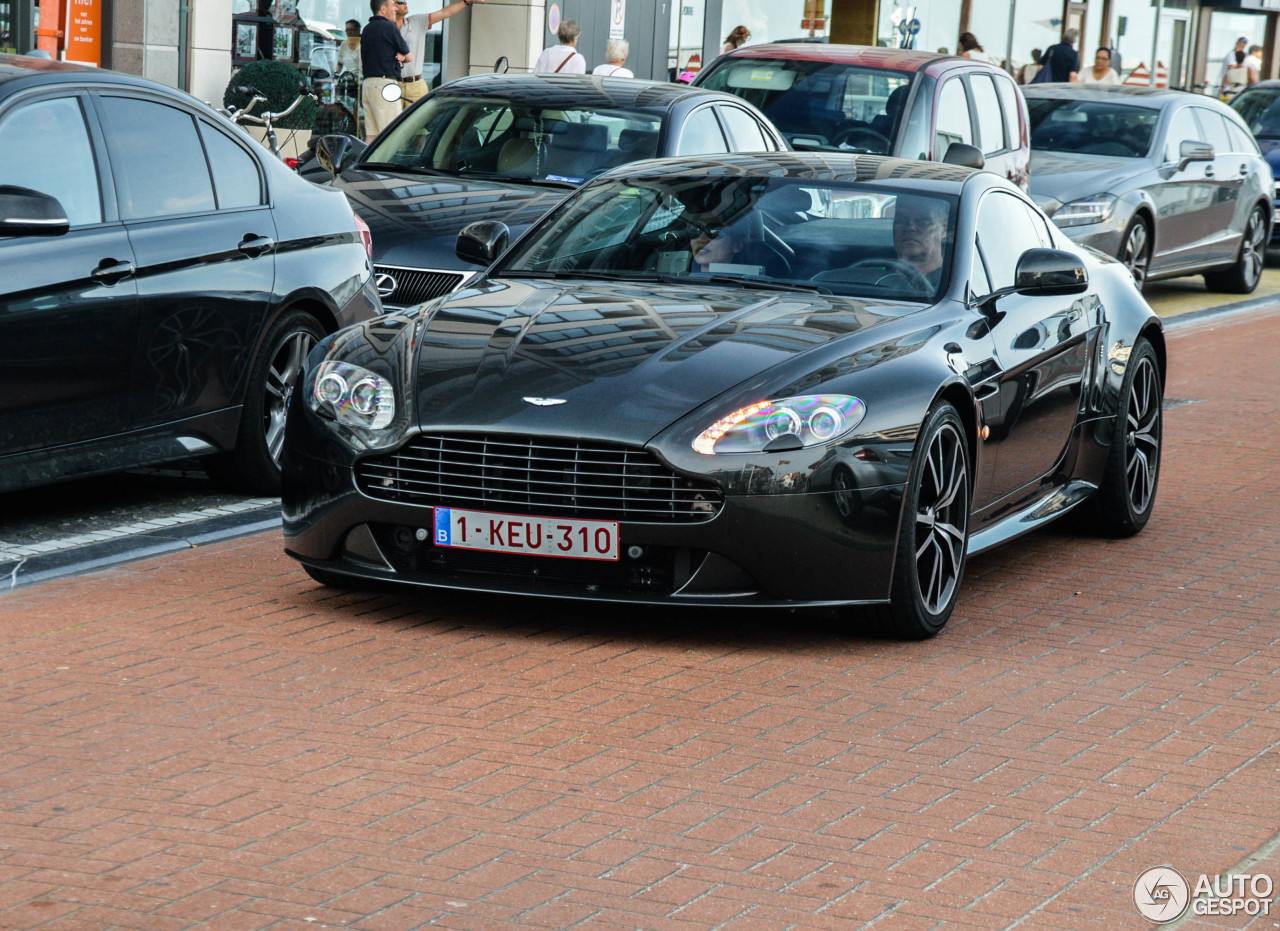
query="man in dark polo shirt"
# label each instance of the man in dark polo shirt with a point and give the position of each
(382, 50)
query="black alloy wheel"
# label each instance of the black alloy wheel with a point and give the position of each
(1244, 275)
(1136, 251)
(254, 465)
(934, 533)
(1124, 501)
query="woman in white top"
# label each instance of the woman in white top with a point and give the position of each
(1101, 73)
(349, 51)
(615, 55)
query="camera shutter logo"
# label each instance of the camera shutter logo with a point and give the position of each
(385, 284)
(1161, 894)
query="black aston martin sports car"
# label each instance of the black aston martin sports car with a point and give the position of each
(770, 380)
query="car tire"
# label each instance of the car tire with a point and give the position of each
(254, 465)
(1244, 275)
(1135, 250)
(1123, 503)
(930, 559)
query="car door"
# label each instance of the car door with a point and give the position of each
(1184, 195)
(1223, 226)
(68, 304)
(203, 239)
(1041, 346)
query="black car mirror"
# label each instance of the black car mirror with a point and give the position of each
(1192, 151)
(1049, 272)
(967, 156)
(338, 152)
(24, 212)
(501, 65)
(480, 243)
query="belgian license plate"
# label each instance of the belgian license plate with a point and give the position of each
(514, 533)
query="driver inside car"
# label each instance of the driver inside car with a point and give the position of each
(919, 225)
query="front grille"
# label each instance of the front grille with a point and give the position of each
(539, 476)
(415, 285)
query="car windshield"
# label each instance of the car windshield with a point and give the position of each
(841, 238)
(488, 137)
(820, 105)
(1091, 127)
(1261, 110)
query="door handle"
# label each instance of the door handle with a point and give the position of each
(255, 245)
(1244, 169)
(109, 271)
(1208, 171)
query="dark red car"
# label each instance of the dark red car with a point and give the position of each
(883, 101)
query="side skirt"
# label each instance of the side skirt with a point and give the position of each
(1053, 504)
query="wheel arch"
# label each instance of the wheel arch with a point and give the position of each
(960, 396)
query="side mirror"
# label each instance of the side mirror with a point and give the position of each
(24, 212)
(338, 152)
(808, 142)
(1043, 272)
(1192, 151)
(967, 156)
(480, 243)
(501, 65)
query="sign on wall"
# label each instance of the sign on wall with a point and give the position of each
(617, 18)
(83, 32)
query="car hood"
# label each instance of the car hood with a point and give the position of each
(1058, 178)
(619, 361)
(415, 220)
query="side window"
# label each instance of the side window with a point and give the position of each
(1004, 219)
(158, 162)
(1182, 128)
(702, 135)
(746, 132)
(953, 118)
(1241, 141)
(236, 180)
(916, 138)
(1012, 112)
(979, 283)
(990, 121)
(45, 146)
(1214, 129)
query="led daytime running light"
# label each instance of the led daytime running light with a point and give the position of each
(706, 441)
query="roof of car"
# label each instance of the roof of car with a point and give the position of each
(895, 59)
(930, 176)
(578, 90)
(20, 67)
(1129, 93)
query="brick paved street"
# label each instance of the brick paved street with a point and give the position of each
(211, 740)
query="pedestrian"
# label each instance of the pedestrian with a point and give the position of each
(1238, 77)
(382, 53)
(736, 39)
(349, 51)
(615, 56)
(1229, 61)
(1061, 59)
(565, 57)
(1253, 59)
(1100, 73)
(971, 48)
(1027, 73)
(415, 28)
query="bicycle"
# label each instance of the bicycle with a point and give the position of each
(268, 119)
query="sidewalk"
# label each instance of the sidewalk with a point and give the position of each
(209, 740)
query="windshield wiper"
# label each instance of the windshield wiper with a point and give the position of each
(757, 282)
(407, 169)
(572, 273)
(515, 179)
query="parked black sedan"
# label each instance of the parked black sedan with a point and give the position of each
(508, 147)
(775, 380)
(164, 278)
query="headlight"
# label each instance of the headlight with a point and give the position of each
(351, 395)
(791, 422)
(1086, 210)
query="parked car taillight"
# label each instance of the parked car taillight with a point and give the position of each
(366, 235)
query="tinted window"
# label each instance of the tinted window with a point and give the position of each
(1214, 129)
(45, 146)
(990, 121)
(1012, 115)
(1260, 109)
(1241, 141)
(953, 118)
(1182, 129)
(1004, 220)
(702, 135)
(1062, 124)
(235, 173)
(746, 132)
(916, 138)
(158, 162)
